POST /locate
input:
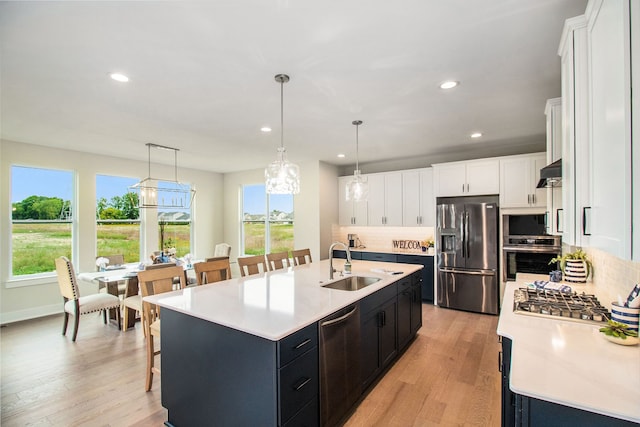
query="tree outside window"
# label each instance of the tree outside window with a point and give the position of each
(42, 219)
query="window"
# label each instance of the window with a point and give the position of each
(117, 220)
(264, 233)
(174, 225)
(42, 219)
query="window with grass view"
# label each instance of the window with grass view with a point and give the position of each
(174, 225)
(42, 217)
(117, 218)
(267, 222)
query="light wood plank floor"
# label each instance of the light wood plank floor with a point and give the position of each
(449, 376)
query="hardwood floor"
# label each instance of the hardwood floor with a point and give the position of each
(448, 376)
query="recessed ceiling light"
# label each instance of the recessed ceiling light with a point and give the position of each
(476, 135)
(341, 156)
(449, 84)
(119, 77)
(265, 129)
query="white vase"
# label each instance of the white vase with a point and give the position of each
(575, 271)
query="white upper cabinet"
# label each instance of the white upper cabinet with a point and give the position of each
(553, 112)
(614, 130)
(418, 201)
(475, 177)
(519, 176)
(350, 212)
(576, 175)
(385, 199)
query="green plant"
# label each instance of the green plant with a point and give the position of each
(618, 330)
(578, 255)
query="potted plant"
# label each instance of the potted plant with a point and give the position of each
(619, 333)
(576, 266)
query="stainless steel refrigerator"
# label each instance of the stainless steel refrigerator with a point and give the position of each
(467, 253)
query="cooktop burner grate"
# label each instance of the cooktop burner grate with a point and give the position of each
(563, 305)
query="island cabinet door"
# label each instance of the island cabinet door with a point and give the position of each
(405, 297)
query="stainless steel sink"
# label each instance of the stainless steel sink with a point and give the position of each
(352, 283)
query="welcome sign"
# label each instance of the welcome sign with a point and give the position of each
(407, 244)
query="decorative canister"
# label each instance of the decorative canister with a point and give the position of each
(555, 276)
(627, 315)
(575, 271)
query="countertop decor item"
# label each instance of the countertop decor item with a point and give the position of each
(576, 266)
(619, 333)
(282, 176)
(358, 188)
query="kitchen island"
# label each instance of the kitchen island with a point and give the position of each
(561, 372)
(246, 351)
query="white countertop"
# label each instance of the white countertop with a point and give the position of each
(276, 304)
(570, 363)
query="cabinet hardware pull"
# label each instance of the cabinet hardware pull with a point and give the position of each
(302, 344)
(500, 361)
(534, 198)
(463, 188)
(558, 228)
(467, 188)
(339, 319)
(584, 221)
(302, 384)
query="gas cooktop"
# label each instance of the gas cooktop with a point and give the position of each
(562, 305)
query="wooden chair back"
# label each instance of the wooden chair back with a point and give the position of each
(278, 260)
(161, 265)
(117, 259)
(252, 265)
(212, 271)
(300, 256)
(67, 279)
(158, 281)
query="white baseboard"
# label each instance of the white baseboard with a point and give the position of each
(30, 313)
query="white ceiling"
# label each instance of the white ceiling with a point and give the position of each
(202, 77)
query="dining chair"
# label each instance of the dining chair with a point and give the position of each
(222, 249)
(212, 271)
(278, 260)
(252, 265)
(154, 282)
(76, 305)
(132, 302)
(300, 256)
(117, 259)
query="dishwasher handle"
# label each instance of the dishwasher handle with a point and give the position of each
(339, 319)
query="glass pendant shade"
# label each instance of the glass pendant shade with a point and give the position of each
(282, 176)
(358, 188)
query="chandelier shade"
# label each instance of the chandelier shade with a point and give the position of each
(357, 188)
(281, 176)
(162, 193)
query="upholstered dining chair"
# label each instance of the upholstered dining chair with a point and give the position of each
(251, 265)
(300, 256)
(222, 249)
(153, 282)
(76, 305)
(278, 260)
(212, 271)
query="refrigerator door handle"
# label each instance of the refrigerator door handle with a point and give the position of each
(466, 234)
(470, 272)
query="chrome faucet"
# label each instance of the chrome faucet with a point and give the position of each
(333, 245)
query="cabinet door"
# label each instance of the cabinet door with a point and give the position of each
(375, 211)
(428, 200)
(345, 209)
(611, 129)
(387, 333)
(405, 298)
(393, 198)
(450, 179)
(483, 177)
(514, 183)
(369, 341)
(539, 195)
(416, 304)
(411, 198)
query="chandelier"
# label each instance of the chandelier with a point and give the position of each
(163, 194)
(282, 176)
(358, 188)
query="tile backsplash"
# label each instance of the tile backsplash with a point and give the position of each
(381, 238)
(617, 275)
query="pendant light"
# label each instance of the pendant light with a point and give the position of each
(357, 188)
(282, 176)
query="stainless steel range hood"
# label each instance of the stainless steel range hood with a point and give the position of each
(551, 175)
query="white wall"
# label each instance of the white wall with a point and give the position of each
(17, 303)
(315, 208)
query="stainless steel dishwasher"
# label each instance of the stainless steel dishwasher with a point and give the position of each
(340, 385)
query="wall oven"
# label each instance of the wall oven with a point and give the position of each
(526, 248)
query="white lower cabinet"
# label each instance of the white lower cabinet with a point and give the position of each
(519, 176)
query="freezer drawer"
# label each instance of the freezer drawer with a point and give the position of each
(470, 290)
